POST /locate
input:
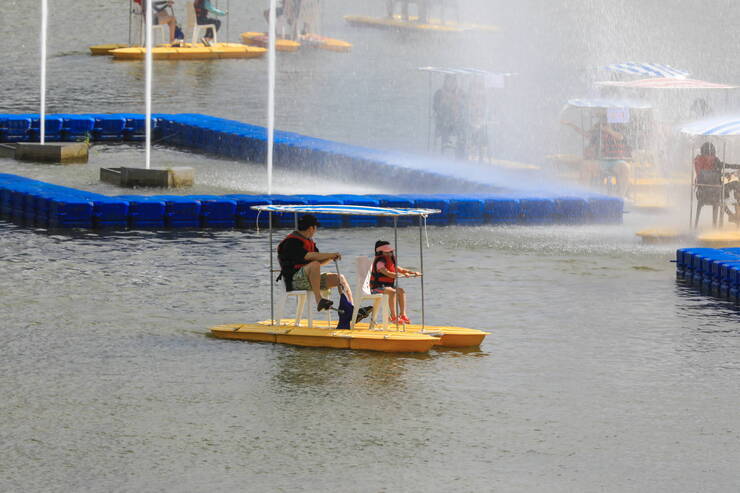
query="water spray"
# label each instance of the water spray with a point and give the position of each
(42, 112)
(270, 92)
(148, 83)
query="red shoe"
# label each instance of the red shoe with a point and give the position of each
(395, 321)
(405, 320)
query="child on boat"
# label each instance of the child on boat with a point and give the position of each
(383, 280)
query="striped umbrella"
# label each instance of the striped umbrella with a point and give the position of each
(647, 69)
(721, 127)
(666, 83)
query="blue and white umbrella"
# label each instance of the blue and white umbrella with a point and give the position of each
(717, 127)
(648, 69)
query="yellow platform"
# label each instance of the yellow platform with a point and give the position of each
(664, 235)
(448, 336)
(260, 40)
(101, 50)
(306, 41)
(435, 25)
(370, 340)
(720, 238)
(189, 51)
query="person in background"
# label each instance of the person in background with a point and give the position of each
(383, 280)
(202, 9)
(606, 154)
(708, 181)
(161, 16)
(448, 109)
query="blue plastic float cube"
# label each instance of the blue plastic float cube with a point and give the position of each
(70, 212)
(216, 211)
(286, 220)
(145, 212)
(246, 217)
(181, 212)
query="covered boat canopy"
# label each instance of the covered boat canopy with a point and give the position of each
(665, 83)
(347, 210)
(464, 71)
(717, 127)
(648, 69)
(609, 103)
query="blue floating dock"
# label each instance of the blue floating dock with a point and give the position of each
(39, 204)
(715, 271)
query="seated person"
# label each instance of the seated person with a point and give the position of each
(161, 17)
(449, 112)
(708, 181)
(606, 154)
(383, 280)
(301, 262)
(202, 8)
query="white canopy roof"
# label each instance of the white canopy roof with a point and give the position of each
(347, 210)
(666, 83)
(722, 127)
(648, 69)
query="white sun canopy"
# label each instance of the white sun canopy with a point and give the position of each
(649, 69)
(346, 210)
(666, 83)
(720, 127)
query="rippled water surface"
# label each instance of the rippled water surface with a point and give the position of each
(601, 373)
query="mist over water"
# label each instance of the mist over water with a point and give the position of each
(601, 373)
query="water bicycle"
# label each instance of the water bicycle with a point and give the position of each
(719, 189)
(196, 49)
(412, 24)
(348, 333)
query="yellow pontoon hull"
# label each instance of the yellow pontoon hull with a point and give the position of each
(102, 50)
(663, 235)
(260, 40)
(306, 41)
(189, 51)
(369, 340)
(720, 239)
(448, 336)
(435, 25)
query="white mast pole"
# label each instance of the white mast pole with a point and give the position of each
(42, 112)
(270, 92)
(148, 82)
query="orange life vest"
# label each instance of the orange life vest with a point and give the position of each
(377, 278)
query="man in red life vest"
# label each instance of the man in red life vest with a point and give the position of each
(301, 261)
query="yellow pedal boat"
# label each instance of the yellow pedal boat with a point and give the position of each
(434, 25)
(305, 40)
(260, 40)
(188, 51)
(412, 338)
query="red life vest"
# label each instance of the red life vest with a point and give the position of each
(613, 148)
(308, 245)
(705, 162)
(377, 278)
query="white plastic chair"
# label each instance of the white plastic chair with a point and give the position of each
(362, 293)
(193, 26)
(301, 298)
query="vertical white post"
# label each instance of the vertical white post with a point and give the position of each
(42, 112)
(148, 82)
(270, 92)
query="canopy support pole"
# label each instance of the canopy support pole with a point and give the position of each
(398, 279)
(421, 268)
(272, 288)
(130, 13)
(691, 188)
(722, 183)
